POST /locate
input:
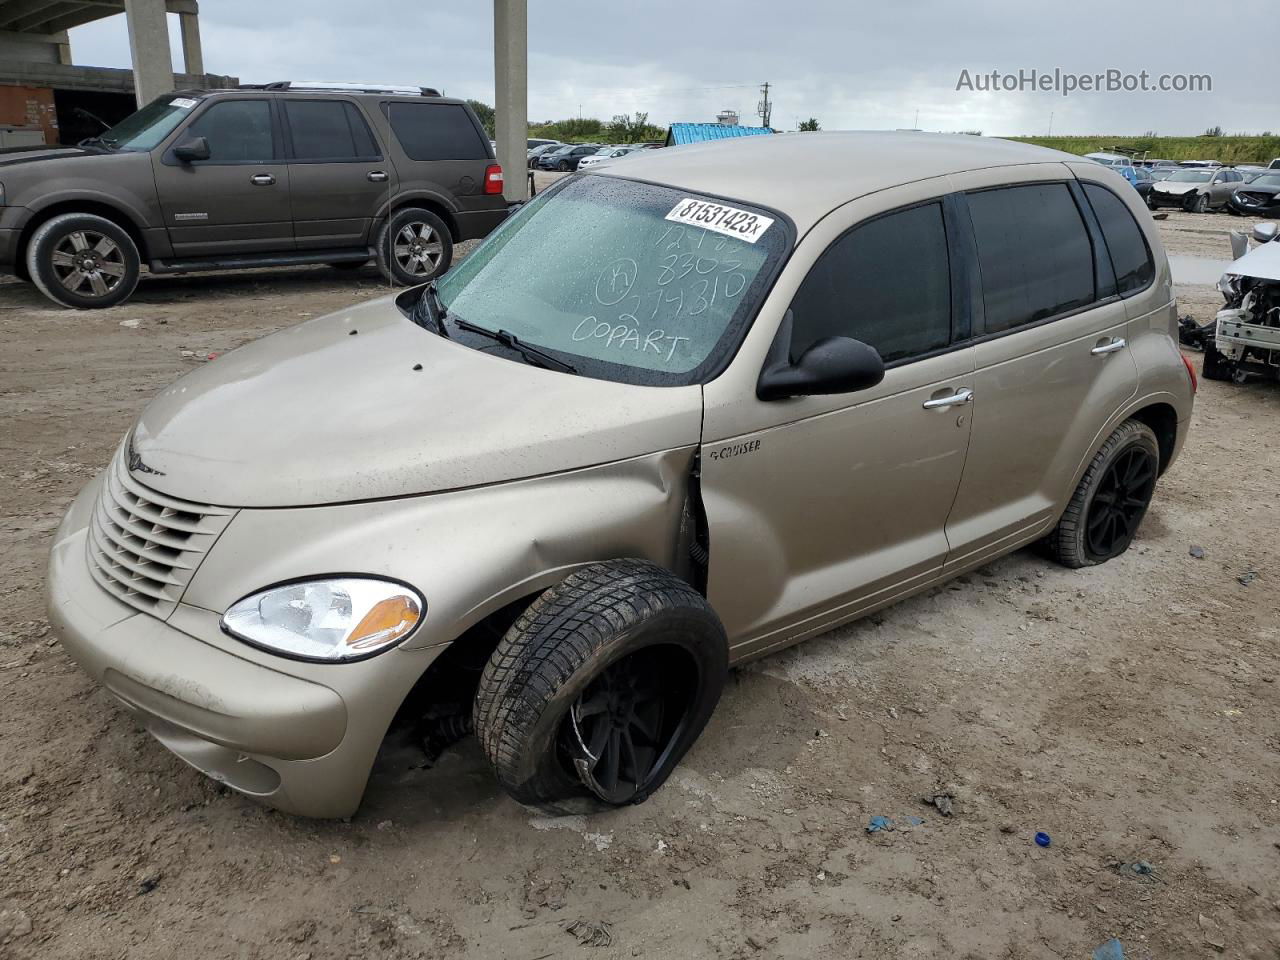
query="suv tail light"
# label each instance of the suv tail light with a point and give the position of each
(1191, 371)
(493, 178)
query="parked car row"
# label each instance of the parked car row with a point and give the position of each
(265, 175)
(1199, 186)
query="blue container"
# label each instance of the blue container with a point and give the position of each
(1042, 840)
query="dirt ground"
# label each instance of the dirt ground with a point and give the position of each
(1130, 711)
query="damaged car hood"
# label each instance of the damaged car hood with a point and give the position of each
(1164, 186)
(1261, 263)
(364, 404)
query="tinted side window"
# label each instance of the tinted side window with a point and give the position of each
(1034, 252)
(1130, 254)
(238, 131)
(441, 131)
(328, 130)
(886, 283)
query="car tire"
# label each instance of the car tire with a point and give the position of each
(1200, 204)
(54, 265)
(414, 246)
(1110, 501)
(1151, 203)
(621, 655)
(1215, 366)
(563, 166)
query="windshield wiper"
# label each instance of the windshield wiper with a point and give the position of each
(508, 339)
(106, 142)
(431, 303)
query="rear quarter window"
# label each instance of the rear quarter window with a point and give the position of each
(1130, 255)
(436, 131)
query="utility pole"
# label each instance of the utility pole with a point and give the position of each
(1051, 123)
(764, 108)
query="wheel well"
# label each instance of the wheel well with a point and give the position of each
(437, 208)
(104, 210)
(1163, 420)
(448, 686)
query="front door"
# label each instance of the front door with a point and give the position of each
(827, 506)
(1053, 363)
(339, 179)
(235, 202)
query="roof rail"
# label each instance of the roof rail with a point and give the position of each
(309, 86)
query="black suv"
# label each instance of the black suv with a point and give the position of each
(257, 176)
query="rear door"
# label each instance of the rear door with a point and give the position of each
(237, 201)
(339, 179)
(1053, 363)
(821, 507)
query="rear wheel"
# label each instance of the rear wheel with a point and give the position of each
(83, 260)
(1105, 511)
(601, 686)
(563, 166)
(414, 246)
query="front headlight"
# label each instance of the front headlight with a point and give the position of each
(344, 618)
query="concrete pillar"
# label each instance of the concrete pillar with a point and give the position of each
(511, 93)
(192, 57)
(149, 45)
(63, 40)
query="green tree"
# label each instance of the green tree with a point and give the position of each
(810, 126)
(1212, 132)
(632, 129)
(485, 113)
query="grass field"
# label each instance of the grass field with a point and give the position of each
(1260, 150)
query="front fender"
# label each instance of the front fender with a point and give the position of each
(471, 551)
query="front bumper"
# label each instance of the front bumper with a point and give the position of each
(298, 736)
(1159, 199)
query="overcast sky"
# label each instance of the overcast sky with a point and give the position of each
(851, 66)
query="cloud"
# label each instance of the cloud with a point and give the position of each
(852, 66)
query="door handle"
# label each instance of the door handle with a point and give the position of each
(1110, 346)
(963, 395)
(262, 179)
(376, 176)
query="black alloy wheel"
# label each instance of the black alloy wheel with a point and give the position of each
(1122, 498)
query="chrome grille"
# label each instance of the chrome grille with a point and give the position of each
(144, 546)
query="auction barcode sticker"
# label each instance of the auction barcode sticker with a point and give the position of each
(183, 103)
(721, 218)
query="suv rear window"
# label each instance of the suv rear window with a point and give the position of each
(436, 131)
(857, 289)
(1034, 251)
(1130, 255)
(328, 130)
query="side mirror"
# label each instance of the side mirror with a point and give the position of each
(832, 365)
(1265, 232)
(197, 148)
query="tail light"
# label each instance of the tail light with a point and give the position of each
(1191, 371)
(493, 178)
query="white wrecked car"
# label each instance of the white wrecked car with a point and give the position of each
(1246, 336)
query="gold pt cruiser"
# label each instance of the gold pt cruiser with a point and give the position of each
(685, 410)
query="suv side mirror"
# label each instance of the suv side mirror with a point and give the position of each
(832, 365)
(1265, 232)
(197, 148)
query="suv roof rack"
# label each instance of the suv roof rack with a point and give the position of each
(343, 87)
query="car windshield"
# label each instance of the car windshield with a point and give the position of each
(146, 128)
(626, 281)
(1267, 180)
(1191, 176)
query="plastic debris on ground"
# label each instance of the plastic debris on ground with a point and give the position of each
(879, 823)
(1043, 839)
(1196, 551)
(1113, 949)
(589, 933)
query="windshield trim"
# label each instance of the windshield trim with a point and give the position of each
(730, 342)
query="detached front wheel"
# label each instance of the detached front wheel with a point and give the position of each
(82, 260)
(601, 686)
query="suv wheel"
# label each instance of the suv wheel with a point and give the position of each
(601, 686)
(83, 260)
(414, 246)
(1215, 366)
(563, 166)
(1200, 204)
(1111, 500)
